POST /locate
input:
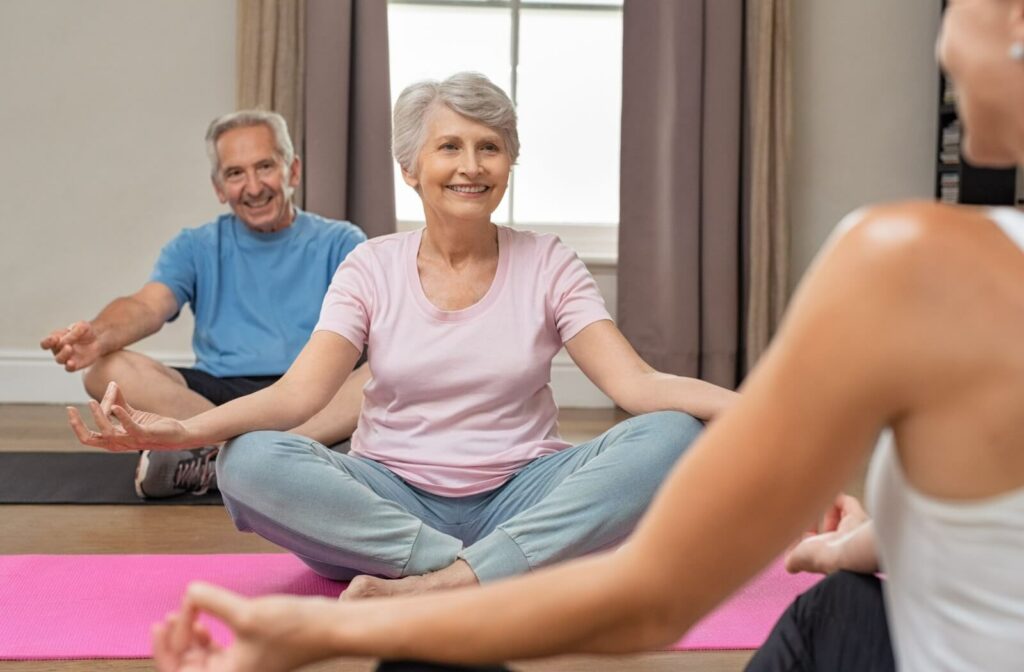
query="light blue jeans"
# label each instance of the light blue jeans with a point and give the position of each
(345, 515)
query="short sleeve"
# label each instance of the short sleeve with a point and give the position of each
(348, 305)
(575, 300)
(176, 267)
(344, 242)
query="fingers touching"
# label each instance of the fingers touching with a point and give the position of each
(112, 396)
(128, 424)
(73, 347)
(108, 437)
(51, 340)
(181, 643)
(225, 605)
(75, 332)
(84, 435)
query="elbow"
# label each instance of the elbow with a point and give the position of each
(652, 627)
(657, 615)
(630, 398)
(662, 621)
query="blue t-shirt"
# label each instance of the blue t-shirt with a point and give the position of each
(256, 296)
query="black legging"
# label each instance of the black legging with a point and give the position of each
(410, 666)
(837, 625)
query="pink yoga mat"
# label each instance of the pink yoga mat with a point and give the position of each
(102, 606)
(744, 620)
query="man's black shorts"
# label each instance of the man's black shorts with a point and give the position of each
(222, 390)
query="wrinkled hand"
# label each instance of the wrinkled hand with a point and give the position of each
(75, 347)
(820, 550)
(137, 430)
(272, 634)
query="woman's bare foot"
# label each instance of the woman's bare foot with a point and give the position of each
(454, 575)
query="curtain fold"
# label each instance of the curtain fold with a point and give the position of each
(349, 169)
(691, 222)
(770, 81)
(270, 55)
(323, 65)
(679, 276)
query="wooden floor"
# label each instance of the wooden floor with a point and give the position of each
(207, 529)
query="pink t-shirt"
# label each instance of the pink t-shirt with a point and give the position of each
(460, 400)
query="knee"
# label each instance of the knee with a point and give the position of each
(845, 588)
(110, 367)
(662, 437)
(246, 462)
(673, 431)
(130, 370)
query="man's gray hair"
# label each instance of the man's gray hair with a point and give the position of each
(246, 119)
(468, 93)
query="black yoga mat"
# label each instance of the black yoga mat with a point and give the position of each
(78, 478)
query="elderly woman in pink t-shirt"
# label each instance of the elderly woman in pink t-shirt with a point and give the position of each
(456, 474)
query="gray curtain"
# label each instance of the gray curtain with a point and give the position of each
(770, 77)
(347, 156)
(680, 275)
(269, 52)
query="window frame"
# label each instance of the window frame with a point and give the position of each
(596, 244)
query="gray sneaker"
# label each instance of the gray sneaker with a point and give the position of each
(167, 473)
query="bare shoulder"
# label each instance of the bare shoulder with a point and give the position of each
(916, 235)
(912, 285)
(952, 287)
(919, 254)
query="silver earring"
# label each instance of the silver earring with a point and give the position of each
(1017, 51)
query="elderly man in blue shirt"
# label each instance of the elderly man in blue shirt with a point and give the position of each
(254, 279)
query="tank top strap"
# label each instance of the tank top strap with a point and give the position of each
(1011, 221)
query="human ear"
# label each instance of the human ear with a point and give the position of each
(410, 179)
(221, 195)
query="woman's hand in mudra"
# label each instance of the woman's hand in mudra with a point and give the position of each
(271, 634)
(135, 429)
(844, 540)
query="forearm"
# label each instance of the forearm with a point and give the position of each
(313, 378)
(124, 321)
(595, 605)
(281, 406)
(656, 391)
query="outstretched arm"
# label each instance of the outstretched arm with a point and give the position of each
(123, 321)
(307, 386)
(611, 363)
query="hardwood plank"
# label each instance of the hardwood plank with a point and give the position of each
(66, 529)
(675, 661)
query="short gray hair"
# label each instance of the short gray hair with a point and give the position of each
(246, 119)
(467, 93)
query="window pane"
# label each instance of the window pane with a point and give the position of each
(435, 42)
(609, 3)
(570, 93)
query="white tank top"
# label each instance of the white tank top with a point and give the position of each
(955, 588)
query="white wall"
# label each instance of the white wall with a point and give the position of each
(865, 87)
(104, 107)
(105, 102)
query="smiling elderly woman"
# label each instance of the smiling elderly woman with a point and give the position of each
(457, 473)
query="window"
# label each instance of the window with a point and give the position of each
(561, 62)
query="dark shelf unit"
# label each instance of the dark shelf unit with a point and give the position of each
(957, 181)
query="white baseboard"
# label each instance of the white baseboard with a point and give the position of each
(573, 389)
(31, 377)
